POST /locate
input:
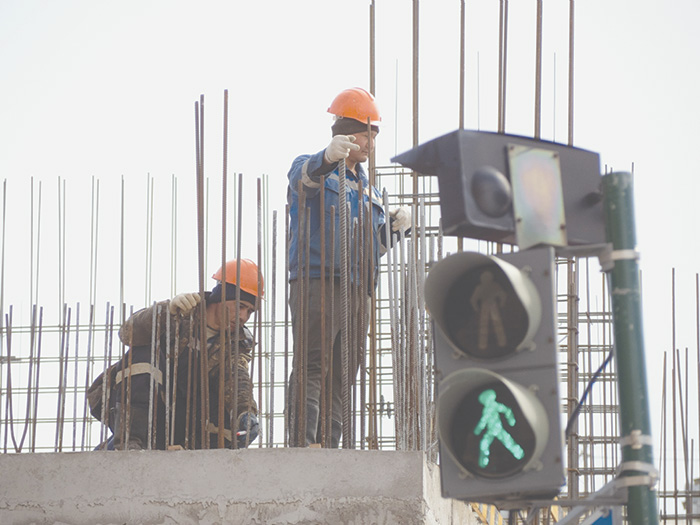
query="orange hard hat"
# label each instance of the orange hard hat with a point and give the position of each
(355, 103)
(249, 276)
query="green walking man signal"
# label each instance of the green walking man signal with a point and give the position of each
(491, 422)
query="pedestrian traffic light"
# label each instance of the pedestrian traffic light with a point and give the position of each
(498, 408)
(513, 189)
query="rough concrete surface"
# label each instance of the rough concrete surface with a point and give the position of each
(255, 486)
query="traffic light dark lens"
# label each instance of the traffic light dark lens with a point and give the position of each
(483, 315)
(490, 435)
(492, 192)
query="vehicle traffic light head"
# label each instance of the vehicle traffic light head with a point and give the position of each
(513, 189)
(497, 380)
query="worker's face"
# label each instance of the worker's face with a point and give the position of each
(366, 142)
(245, 310)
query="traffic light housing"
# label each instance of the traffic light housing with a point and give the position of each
(498, 408)
(513, 189)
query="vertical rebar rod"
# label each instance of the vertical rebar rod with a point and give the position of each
(298, 364)
(106, 385)
(538, 71)
(273, 333)
(331, 296)
(88, 374)
(37, 368)
(223, 323)
(152, 390)
(237, 334)
(415, 108)
(94, 212)
(191, 399)
(257, 326)
(176, 368)
(573, 373)
(2, 285)
(168, 391)
(158, 390)
(352, 325)
(371, 272)
(60, 236)
(31, 243)
(126, 432)
(462, 59)
(697, 347)
(63, 375)
(404, 400)
(344, 293)
(501, 63)
(204, 368)
(683, 411)
(323, 406)
(9, 414)
(571, 74)
(286, 391)
(173, 236)
(420, 309)
(663, 440)
(392, 309)
(305, 314)
(364, 235)
(149, 238)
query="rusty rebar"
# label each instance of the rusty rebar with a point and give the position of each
(323, 406)
(223, 327)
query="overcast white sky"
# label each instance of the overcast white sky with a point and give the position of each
(107, 90)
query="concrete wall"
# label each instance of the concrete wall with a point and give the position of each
(256, 486)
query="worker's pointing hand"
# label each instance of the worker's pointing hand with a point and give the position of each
(339, 148)
(184, 303)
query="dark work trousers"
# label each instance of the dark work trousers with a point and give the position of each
(358, 315)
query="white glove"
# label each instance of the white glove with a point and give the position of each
(184, 303)
(339, 148)
(402, 219)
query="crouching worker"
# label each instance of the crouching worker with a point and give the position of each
(163, 365)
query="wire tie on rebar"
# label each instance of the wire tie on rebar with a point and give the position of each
(636, 440)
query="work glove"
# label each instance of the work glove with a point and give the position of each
(248, 429)
(184, 303)
(401, 219)
(339, 148)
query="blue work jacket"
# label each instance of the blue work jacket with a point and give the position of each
(308, 169)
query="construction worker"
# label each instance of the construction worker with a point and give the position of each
(141, 373)
(313, 180)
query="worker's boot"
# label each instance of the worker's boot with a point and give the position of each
(138, 428)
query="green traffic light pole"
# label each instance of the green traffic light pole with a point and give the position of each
(637, 471)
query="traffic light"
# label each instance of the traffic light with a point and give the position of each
(498, 409)
(513, 189)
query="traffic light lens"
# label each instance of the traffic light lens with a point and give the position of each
(491, 191)
(490, 434)
(483, 315)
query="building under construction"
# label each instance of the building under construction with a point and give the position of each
(55, 341)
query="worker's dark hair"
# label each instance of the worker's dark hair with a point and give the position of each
(348, 126)
(215, 295)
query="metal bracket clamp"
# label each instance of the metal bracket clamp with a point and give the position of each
(636, 440)
(608, 257)
(648, 480)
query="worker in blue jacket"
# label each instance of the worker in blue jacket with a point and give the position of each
(314, 202)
